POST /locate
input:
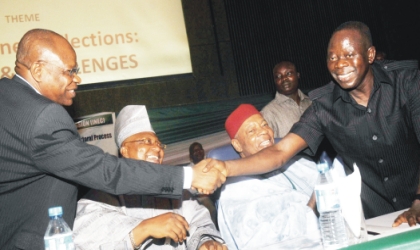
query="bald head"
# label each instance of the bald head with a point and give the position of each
(40, 44)
(48, 62)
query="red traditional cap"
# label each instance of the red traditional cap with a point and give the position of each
(237, 117)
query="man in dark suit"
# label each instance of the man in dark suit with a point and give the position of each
(42, 159)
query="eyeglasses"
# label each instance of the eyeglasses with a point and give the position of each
(73, 71)
(148, 142)
(70, 72)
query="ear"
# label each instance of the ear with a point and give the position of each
(298, 75)
(371, 54)
(37, 69)
(124, 151)
(236, 145)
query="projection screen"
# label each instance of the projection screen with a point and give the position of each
(113, 40)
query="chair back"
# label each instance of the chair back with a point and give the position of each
(227, 152)
(223, 153)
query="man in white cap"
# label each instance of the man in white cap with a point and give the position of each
(143, 222)
(271, 211)
(42, 157)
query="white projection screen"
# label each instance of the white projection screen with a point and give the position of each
(113, 40)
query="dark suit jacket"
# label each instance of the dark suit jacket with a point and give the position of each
(42, 160)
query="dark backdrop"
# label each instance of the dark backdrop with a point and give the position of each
(234, 45)
(267, 31)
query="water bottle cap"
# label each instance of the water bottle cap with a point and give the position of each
(55, 211)
(322, 167)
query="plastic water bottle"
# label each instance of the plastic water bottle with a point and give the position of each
(333, 230)
(58, 235)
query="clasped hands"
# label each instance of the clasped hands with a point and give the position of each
(208, 175)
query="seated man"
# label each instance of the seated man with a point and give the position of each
(196, 152)
(143, 222)
(275, 209)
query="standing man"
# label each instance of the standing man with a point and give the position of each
(197, 154)
(371, 115)
(289, 102)
(42, 158)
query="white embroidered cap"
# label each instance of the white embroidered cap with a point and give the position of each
(131, 120)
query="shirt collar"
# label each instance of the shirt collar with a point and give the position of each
(28, 84)
(379, 77)
(380, 74)
(282, 98)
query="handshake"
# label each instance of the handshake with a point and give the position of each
(208, 175)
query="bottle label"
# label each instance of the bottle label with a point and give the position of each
(59, 242)
(327, 198)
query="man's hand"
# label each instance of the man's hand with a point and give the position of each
(411, 216)
(219, 165)
(207, 182)
(165, 225)
(212, 245)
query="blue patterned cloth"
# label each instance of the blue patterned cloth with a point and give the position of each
(270, 211)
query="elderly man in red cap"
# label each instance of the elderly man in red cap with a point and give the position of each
(272, 210)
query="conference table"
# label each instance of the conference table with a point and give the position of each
(383, 236)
